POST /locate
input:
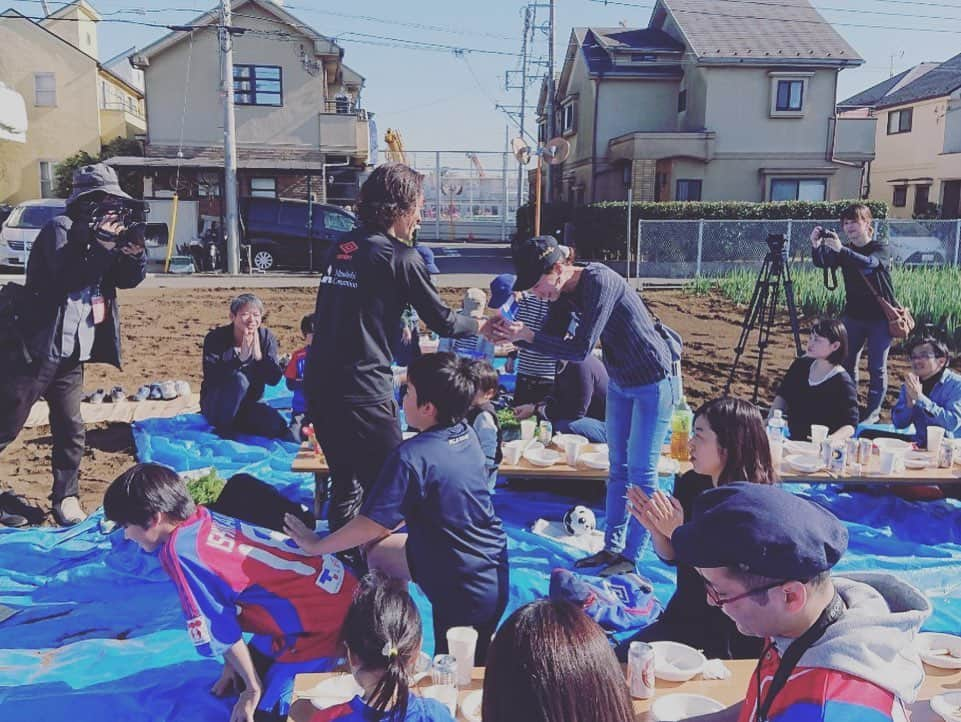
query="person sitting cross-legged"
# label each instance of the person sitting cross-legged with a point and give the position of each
(577, 403)
(930, 394)
(231, 578)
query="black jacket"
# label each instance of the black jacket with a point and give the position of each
(872, 260)
(368, 280)
(66, 258)
(221, 361)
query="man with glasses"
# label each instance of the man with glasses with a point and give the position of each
(930, 394)
(834, 648)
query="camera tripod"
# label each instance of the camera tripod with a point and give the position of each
(774, 273)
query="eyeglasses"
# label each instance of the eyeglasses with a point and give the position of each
(718, 601)
(922, 356)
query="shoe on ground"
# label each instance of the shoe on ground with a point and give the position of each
(8, 516)
(168, 391)
(116, 394)
(182, 388)
(67, 511)
(18, 506)
(96, 397)
(621, 566)
(604, 556)
(155, 393)
(143, 393)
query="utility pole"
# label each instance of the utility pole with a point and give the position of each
(528, 11)
(232, 226)
(551, 101)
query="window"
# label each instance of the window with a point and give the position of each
(542, 131)
(797, 189)
(46, 179)
(921, 194)
(899, 121)
(258, 85)
(569, 118)
(688, 190)
(338, 222)
(790, 96)
(44, 89)
(900, 197)
(263, 187)
(682, 101)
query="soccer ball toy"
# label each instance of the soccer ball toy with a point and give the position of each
(579, 520)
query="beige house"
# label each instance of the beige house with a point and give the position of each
(709, 105)
(53, 65)
(918, 140)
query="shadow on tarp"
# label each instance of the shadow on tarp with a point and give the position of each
(99, 626)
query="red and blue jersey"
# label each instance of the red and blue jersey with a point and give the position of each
(818, 694)
(419, 709)
(294, 374)
(233, 577)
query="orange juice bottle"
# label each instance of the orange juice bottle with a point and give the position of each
(682, 419)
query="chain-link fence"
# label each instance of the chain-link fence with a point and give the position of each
(468, 195)
(685, 249)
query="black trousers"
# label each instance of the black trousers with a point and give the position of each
(531, 389)
(356, 441)
(61, 384)
(484, 618)
(227, 406)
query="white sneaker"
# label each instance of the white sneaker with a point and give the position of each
(68, 512)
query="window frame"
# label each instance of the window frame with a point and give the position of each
(569, 117)
(900, 115)
(690, 183)
(263, 192)
(918, 196)
(253, 93)
(51, 179)
(789, 106)
(776, 78)
(37, 90)
(797, 187)
(899, 193)
(682, 100)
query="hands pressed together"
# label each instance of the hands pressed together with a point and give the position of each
(250, 345)
(659, 513)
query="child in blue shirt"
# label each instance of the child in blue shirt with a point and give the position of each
(294, 376)
(482, 416)
(454, 546)
(382, 634)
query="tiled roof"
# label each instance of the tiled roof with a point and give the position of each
(600, 42)
(942, 80)
(868, 98)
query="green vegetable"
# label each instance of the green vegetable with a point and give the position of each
(507, 420)
(205, 489)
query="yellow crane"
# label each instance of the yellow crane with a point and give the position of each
(395, 146)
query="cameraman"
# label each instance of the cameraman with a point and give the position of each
(75, 266)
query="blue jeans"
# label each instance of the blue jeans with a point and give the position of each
(878, 339)
(593, 429)
(637, 422)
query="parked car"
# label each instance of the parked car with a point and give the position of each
(22, 227)
(911, 243)
(279, 236)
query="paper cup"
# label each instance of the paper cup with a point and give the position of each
(512, 453)
(887, 461)
(527, 429)
(462, 643)
(573, 451)
(818, 434)
(935, 437)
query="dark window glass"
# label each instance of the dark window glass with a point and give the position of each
(688, 190)
(258, 85)
(790, 95)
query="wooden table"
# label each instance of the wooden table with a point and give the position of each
(728, 691)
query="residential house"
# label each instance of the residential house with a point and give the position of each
(918, 139)
(711, 101)
(300, 126)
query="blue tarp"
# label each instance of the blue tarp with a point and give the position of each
(99, 627)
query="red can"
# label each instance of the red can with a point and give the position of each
(640, 670)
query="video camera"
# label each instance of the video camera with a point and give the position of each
(131, 213)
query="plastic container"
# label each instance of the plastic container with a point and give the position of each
(682, 419)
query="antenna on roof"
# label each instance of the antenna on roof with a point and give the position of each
(899, 54)
(46, 8)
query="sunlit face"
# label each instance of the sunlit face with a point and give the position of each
(925, 362)
(857, 230)
(407, 224)
(420, 417)
(752, 610)
(548, 286)
(819, 347)
(147, 537)
(707, 456)
(248, 318)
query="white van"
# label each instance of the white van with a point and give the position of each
(22, 227)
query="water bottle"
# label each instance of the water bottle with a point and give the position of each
(682, 419)
(775, 436)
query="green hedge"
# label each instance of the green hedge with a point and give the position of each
(600, 228)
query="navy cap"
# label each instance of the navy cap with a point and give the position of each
(761, 529)
(428, 255)
(533, 258)
(501, 289)
(95, 177)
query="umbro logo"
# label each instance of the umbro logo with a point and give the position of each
(346, 250)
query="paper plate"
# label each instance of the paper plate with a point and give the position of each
(470, 706)
(676, 662)
(599, 448)
(334, 690)
(946, 645)
(560, 440)
(674, 707)
(919, 460)
(948, 706)
(595, 460)
(542, 456)
(807, 463)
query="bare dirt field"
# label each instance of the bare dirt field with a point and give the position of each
(163, 332)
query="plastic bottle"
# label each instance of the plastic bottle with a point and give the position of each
(681, 421)
(776, 426)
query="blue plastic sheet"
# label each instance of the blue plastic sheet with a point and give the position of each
(99, 626)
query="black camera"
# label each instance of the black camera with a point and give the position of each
(129, 212)
(825, 233)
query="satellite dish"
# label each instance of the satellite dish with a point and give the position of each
(521, 151)
(556, 150)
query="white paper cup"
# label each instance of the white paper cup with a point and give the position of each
(887, 461)
(573, 451)
(818, 434)
(512, 453)
(935, 437)
(527, 429)
(462, 643)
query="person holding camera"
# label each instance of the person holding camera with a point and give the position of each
(69, 316)
(863, 261)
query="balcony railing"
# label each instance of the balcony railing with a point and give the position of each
(854, 139)
(344, 106)
(120, 105)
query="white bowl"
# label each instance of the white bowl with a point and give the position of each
(808, 463)
(801, 447)
(334, 690)
(524, 444)
(595, 460)
(560, 440)
(919, 460)
(676, 662)
(673, 707)
(892, 445)
(470, 706)
(947, 706)
(542, 456)
(927, 642)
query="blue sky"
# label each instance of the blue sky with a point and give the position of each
(442, 100)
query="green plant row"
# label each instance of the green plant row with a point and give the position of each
(933, 294)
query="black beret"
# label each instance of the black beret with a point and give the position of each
(760, 529)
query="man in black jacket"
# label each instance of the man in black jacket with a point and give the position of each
(369, 278)
(70, 316)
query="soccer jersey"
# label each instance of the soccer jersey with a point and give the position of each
(233, 577)
(294, 373)
(356, 710)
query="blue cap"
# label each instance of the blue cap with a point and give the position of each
(761, 529)
(501, 289)
(428, 255)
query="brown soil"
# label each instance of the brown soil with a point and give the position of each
(163, 332)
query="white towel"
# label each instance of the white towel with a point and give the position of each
(591, 543)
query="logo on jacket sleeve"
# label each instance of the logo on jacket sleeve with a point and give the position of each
(346, 250)
(331, 577)
(197, 629)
